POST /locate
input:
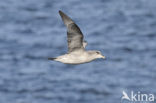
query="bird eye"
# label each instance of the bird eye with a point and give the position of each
(97, 52)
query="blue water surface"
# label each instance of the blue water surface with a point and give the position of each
(32, 30)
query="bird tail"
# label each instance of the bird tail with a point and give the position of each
(51, 58)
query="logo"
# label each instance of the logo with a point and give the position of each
(137, 97)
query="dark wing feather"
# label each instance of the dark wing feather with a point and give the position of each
(74, 34)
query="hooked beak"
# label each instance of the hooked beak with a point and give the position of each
(103, 57)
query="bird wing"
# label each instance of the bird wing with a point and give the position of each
(74, 34)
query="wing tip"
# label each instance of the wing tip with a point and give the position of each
(60, 12)
(66, 19)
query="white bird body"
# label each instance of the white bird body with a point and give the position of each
(77, 57)
(74, 58)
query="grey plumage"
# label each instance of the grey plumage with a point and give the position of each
(74, 34)
(76, 45)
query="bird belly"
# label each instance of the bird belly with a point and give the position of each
(73, 59)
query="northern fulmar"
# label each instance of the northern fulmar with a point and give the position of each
(76, 45)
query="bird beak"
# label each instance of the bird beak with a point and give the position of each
(103, 57)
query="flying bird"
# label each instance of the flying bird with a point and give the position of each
(76, 45)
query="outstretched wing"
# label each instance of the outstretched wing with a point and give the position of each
(74, 34)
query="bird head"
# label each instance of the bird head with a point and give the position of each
(98, 54)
